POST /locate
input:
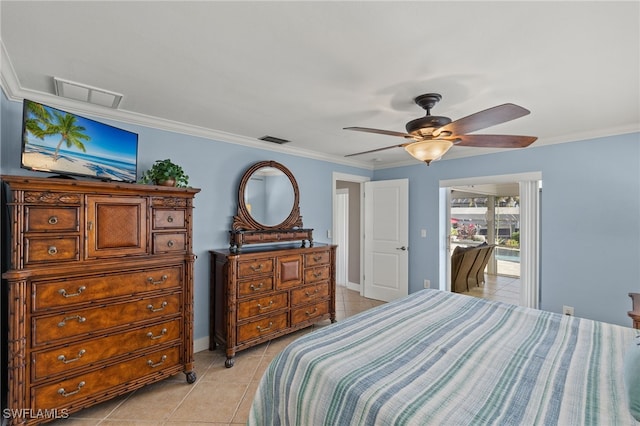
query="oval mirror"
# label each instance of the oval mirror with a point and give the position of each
(269, 196)
(267, 199)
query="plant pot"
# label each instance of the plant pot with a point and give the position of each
(168, 182)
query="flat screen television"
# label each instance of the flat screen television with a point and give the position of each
(60, 142)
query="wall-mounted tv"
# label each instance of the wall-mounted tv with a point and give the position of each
(60, 142)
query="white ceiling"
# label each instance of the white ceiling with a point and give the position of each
(302, 71)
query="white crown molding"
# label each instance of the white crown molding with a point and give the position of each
(10, 85)
(13, 90)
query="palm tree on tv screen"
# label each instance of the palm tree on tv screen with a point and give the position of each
(41, 123)
(38, 120)
(71, 134)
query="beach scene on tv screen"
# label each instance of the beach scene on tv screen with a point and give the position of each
(65, 143)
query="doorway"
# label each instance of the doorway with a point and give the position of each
(528, 190)
(489, 214)
(353, 186)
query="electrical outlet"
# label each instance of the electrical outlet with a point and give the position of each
(427, 284)
(567, 310)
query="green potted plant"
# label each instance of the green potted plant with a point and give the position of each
(166, 173)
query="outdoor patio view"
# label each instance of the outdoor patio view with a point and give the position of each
(491, 220)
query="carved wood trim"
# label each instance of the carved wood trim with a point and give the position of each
(243, 222)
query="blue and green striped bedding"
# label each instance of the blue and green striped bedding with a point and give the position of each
(439, 358)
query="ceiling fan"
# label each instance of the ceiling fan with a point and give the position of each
(431, 136)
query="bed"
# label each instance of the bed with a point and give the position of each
(448, 359)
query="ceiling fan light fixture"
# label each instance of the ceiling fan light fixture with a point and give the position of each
(429, 150)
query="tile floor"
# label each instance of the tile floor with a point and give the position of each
(220, 396)
(498, 287)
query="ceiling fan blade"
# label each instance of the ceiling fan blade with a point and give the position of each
(495, 141)
(483, 119)
(380, 132)
(402, 145)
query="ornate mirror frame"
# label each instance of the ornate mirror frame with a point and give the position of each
(245, 229)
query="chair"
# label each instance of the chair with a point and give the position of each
(467, 266)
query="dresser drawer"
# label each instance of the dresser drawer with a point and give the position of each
(52, 219)
(318, 258)
(163, 219)
(262, 327)
(309, 293)
(307, 313)
(169, 243)
(65, 392)
(313, 275)
(249, 268)
(71, 357)
(254, 287)
(53, 294)
(263, 305)
(51, 249)
(72, 323)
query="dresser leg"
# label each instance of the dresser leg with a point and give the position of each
(229, 362)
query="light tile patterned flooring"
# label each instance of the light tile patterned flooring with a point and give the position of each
(498, 287)
(220, 396)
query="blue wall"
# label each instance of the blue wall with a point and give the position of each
(216, 168)
(590, 207)
(590, 219)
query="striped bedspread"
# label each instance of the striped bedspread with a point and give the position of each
(439, 358)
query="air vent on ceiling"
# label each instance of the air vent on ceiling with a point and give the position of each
(85, 93)
(273, 139)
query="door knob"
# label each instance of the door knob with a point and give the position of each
(403, 248)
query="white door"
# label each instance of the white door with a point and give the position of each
(386, 239)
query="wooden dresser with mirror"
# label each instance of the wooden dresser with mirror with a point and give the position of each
(99, 291)
(273, 279)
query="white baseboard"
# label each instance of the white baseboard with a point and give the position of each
(201, 344)
(353, 286)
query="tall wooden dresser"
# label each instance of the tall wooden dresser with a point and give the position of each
(265, 292)
(100, 291)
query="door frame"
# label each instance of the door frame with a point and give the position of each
(341, 234)
(337, 176)
(530, 283)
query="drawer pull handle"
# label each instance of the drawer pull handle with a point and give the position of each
(152, 337)
(152, 365)
(53, 220)
(162, 306)
(64, 393)
(312, 293)
(260, 329)
(64, 293)
(52, 250)
(262, 308)
(317, 274)
(256, 268)
(64, 321)
(317, 258)
(170, 243)
(311, 313)
(67, 361)
(169, 219)
(254, 288)
(162, 279)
